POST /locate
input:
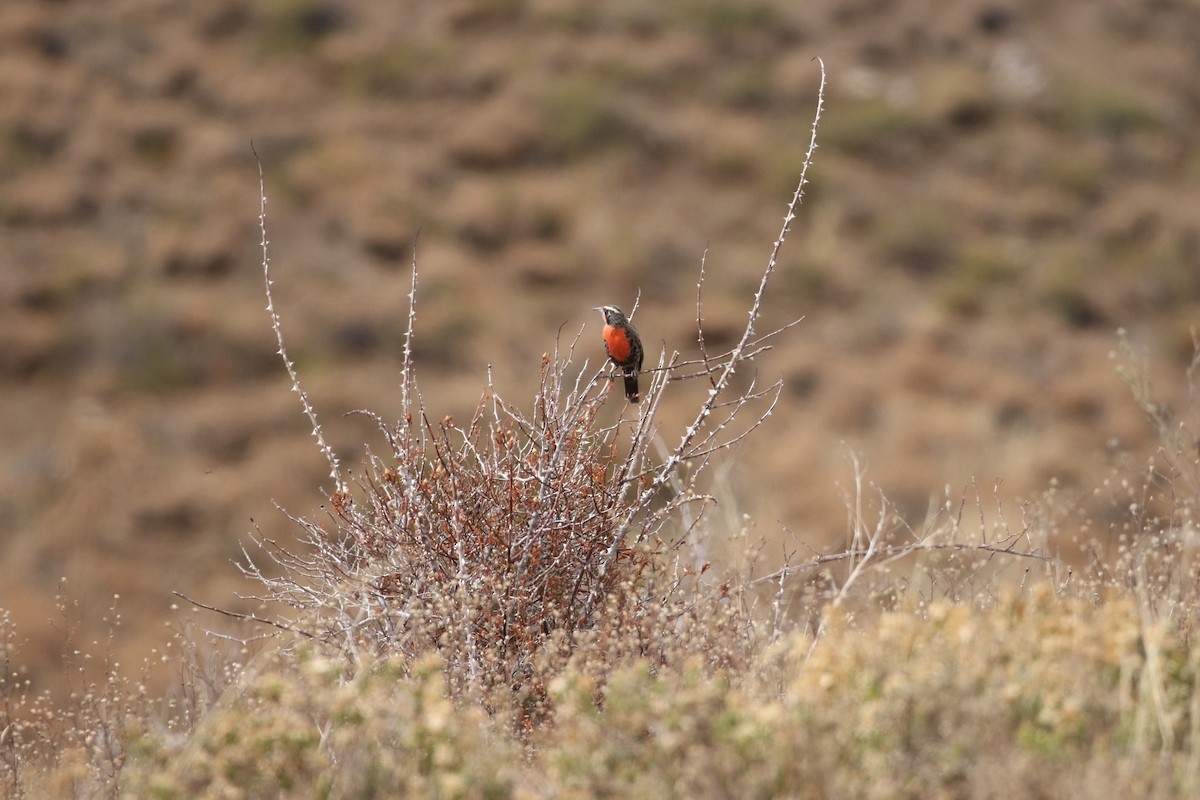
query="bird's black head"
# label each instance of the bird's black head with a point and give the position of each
(612, 315)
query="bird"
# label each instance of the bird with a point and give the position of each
(624, 348)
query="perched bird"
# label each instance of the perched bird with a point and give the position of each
(624, 348)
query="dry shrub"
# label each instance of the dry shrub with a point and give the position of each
(502, 546)
(505, 544)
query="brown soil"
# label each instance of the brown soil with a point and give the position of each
(999, 187)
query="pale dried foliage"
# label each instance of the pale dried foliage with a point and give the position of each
(80, 745)
(1157, 525)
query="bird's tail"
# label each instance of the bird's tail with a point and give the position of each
(631, 387)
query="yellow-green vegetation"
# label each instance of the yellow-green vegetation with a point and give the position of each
(1036, 695)
(1033, 695)
(978, 274)
(300, 726)
(582, 112)
(878, 130)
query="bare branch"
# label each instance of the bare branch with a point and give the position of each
(244, 617)
(335, 471)
(892, 552)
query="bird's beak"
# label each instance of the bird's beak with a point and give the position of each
(598, 308)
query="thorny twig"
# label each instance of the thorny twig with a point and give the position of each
(687, 453)
(335, 471)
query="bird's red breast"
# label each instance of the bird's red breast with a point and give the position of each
(617, 342)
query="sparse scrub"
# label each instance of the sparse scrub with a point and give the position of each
(294, 27)
(723, 20)
(980, 273)
(580, 112)
(919, 241)
(881, 130)
(1102, 109)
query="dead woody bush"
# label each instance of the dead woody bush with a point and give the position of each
(522, 533)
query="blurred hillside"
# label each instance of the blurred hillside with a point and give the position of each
(999, 187)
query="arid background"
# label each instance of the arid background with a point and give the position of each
(999, 187)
